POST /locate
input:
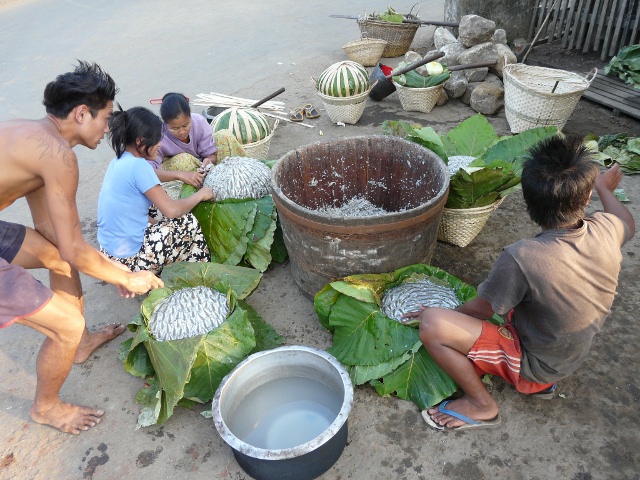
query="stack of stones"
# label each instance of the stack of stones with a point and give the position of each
(478, 41)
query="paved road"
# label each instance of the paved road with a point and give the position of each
(251, 48)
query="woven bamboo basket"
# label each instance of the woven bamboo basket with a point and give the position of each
(418, 99)
(398, 35)
(539, 96)
(460, 226)
(366, 51)
(260, 149)
(345, 109)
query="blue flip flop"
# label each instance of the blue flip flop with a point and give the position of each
(547, 394)
(469, 422)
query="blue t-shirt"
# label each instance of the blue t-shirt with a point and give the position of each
(122, 205)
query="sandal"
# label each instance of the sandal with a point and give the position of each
(310, 111)
(296, 115)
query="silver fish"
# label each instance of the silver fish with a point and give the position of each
(239, 177)
(407, 297)
(457, 162)
(187, 313)
(356, 207)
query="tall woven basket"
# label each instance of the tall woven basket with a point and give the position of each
(539, 96)
(260, 149)
(366, 51)
(398, 35)
(460, 226)
(345, 109)
(418, 99)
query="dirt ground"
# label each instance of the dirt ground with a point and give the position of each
(590, 431)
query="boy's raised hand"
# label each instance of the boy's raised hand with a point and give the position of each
(609, 179)
(605, 184)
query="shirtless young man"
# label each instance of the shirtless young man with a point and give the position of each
(37, 162)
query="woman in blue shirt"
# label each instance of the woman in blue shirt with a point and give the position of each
(126, 233)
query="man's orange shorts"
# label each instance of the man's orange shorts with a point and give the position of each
(497, 352)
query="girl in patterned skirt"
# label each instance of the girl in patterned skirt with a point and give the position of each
(125, 231)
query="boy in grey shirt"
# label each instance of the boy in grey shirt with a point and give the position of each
(555, 290)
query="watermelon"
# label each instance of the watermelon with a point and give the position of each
(343, 79)
(247, 124)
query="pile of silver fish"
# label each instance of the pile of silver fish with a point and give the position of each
(187, 313)
(408, 296)
(356, 207)
(239, 177)
(457, 162)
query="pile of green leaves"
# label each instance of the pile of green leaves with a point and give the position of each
(626, 65)
(378, 350)
(181, 372)
(240, 232)
(413, 79)
(389, 16)
(498, 163)
(618, 148)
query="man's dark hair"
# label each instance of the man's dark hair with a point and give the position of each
(87, 85)
(173, 105)
(136, 124)
(557, 180)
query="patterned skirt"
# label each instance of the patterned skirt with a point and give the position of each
(168, 241)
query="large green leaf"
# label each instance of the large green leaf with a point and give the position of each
(225, 226)
(480, 187)
(172, 363)
(239, 230)
(419, 380)
(265, 335)
(427, 137)
(516, 148)
(241, 280)
(364, 336)
(323, 303)
(361, 374)
(278, 248)
(260, 238)
(471, 138)
(217, 354)
(135, 359)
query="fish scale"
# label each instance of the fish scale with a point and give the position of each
(239, 177)
(187, 313)
(407, 297)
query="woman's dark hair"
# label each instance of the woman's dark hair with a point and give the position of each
(557, 180)
(173, 105)
(87, 85)
(137, 126)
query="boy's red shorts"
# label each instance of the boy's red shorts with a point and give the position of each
(497, 352)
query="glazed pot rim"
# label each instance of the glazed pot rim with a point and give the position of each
(280, 197)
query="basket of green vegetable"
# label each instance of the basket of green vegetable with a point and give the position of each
(420, 93)
(478, 185)
(389, 26)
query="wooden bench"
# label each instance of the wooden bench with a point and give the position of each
(615, 94)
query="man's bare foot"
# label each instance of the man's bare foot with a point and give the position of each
(92, 340)
(68, 418)
(465, 407)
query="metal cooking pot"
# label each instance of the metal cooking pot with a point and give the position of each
(302, 462)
